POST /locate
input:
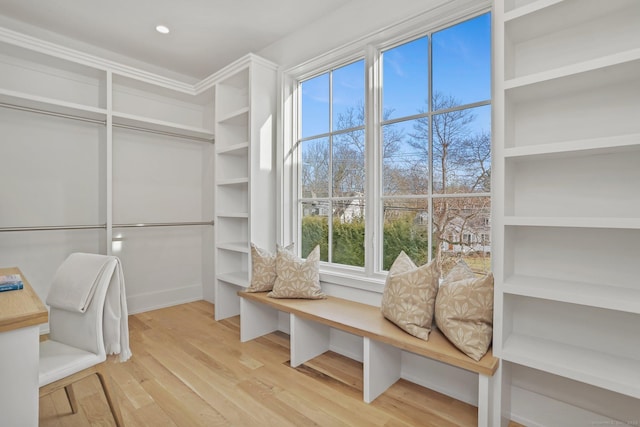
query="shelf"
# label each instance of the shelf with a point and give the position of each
(608, 371)
(233, 215)
(550, 16)
(566, 36)
(600, 103)
(234, 246)
(598, 64)
(49, 105)
(579, 78)
(161, 126)
(528, 9)
(591, 146)
(602, 296)
(237, 117)
(234, 150)
(580, 222)
(234, 181)
(238, 278)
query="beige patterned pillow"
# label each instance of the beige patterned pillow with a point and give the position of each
(409, 295)
(263, 268)
(297, 278)
(464, 310)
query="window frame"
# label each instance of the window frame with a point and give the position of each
(370, 49)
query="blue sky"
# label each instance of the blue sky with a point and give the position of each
(461, 58)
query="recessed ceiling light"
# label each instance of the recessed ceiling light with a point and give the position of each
(162, 29)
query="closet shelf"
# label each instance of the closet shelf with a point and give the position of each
(544, 17)
(597, 73)
(237, 117)
(238, 278)
(601, 63)
(233, 215)
(528, 9)
(591, 146)
(232, 181)
(608, 371)
(234, 246)
(235, 149)
(603, 296)
(579, 222)
(144, 123)
(49, 105)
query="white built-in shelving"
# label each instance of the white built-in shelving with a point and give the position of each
(117, 161)
(566, 209)
(245, 174)
(174, 110)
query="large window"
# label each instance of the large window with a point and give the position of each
(394, 153)
(332, 167)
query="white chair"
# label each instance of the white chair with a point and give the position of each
(75, 348)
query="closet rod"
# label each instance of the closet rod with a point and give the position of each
(98, 226)
(54, 227)
(162, 224)
(161, 132)
(52, 113)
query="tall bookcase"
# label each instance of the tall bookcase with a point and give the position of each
(567, 203)
(245, 174)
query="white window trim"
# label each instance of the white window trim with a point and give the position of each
(441, 16)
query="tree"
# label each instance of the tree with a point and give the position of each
(461, 163)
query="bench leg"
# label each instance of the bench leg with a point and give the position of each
(381, 368)
(489, 401)
(256, 320)
(308, 340)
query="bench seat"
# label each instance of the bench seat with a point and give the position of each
(310, 324)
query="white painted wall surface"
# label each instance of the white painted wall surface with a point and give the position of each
(354, 20)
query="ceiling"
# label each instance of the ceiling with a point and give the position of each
(205, 35)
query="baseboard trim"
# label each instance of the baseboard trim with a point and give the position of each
(166, 298)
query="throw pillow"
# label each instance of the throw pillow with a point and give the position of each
(297, 278)
(464, 310)
(409, 295)
(263, 268)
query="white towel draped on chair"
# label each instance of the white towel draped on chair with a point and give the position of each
(69, 291)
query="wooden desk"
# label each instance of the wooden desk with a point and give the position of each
(21, 313)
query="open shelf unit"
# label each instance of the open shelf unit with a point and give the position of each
(245, 174)
(566, 210)
(118, 145)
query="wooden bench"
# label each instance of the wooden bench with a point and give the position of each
(312, 320)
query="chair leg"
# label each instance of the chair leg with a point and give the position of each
(115, 410)
(71, 397)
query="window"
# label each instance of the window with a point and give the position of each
(332, 168)
(399, 160)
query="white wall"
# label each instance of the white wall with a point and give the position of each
(354, 20)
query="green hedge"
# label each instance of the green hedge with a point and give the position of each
(401, 234)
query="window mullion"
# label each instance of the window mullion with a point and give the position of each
(330, 213)
(430, 150)
(373, 218)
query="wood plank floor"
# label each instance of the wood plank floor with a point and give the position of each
(189, 370)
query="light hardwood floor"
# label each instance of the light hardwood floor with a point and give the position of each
(189, 370)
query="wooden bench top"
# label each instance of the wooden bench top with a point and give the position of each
(367, 321)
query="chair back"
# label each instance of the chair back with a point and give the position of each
(84, 330)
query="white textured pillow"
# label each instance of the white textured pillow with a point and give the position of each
(464, 310)
(263, 268)
(410, 294)
(297, 278)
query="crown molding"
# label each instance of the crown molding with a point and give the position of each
(231, 69)
(38, 45)
(72, 55)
